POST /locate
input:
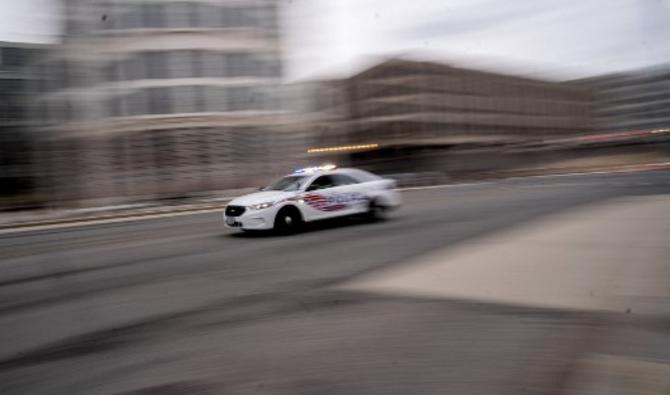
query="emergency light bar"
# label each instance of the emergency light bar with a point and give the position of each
(308, 170)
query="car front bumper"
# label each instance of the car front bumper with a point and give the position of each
(252, 219)
(390, 199)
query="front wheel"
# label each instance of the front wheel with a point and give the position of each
(376, 211)
(288, 220)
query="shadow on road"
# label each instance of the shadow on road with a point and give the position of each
(310, 227)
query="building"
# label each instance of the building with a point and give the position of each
(401, 111)
(17, 162)
(164, 98)
(637, 100)
(324, 109)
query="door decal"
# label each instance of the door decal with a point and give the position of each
(334, 202)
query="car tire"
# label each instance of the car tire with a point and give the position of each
(288, 220)
(376, 211)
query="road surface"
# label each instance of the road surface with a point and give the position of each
(182, 305)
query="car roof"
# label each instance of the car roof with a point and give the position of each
(322, 172)
(354, 172)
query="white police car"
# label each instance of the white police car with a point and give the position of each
(312, 194)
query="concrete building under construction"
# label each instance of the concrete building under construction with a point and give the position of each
(633, 100)
(417, 111)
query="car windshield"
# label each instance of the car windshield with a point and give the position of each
(290, 183)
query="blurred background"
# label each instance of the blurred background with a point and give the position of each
(533, 256)
(111, 102)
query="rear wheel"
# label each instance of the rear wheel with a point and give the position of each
(288, 220)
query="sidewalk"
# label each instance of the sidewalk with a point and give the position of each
(610, 257)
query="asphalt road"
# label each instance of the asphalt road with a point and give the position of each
(182, 305)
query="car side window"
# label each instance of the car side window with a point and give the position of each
(362, 175)
(343, 179)
(321, 182)
(330, 181)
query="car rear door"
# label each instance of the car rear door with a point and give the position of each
(353, 193)
(328, 196)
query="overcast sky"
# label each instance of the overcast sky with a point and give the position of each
(561, 39)
(28, 20)
(566, 38)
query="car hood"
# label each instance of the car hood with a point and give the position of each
(261, 197)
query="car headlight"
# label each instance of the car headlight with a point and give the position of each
(261, 206)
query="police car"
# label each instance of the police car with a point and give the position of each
(313, 194)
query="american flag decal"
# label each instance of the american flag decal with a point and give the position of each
(322, 203)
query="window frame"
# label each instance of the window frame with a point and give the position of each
(352, 180)
(309, 186)
(334, 183)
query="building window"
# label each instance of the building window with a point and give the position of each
(68, 111)
(112, 71)
(183, 99)
(196, 63)
(155, 65)
(115, 104)
(245, 99)
(10, 57)
(106, 15)
(53, 112)
(208, 16)
(109, 72)
(238, 98)
(268, 17)
(269, 67)
(215, 99)
(159, 101)
(213, 64)
(199, 98)
(234, 17)
(180, 65)
(154, 15)
(133, 68)
(10, 86)
(131, 17)
(185, 64)
(264, 17)
(73, 26)
(182, 15)
(189, 99)
(270, 99)
(136, 103)
(237, 64)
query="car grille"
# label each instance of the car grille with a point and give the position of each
(235, 211)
